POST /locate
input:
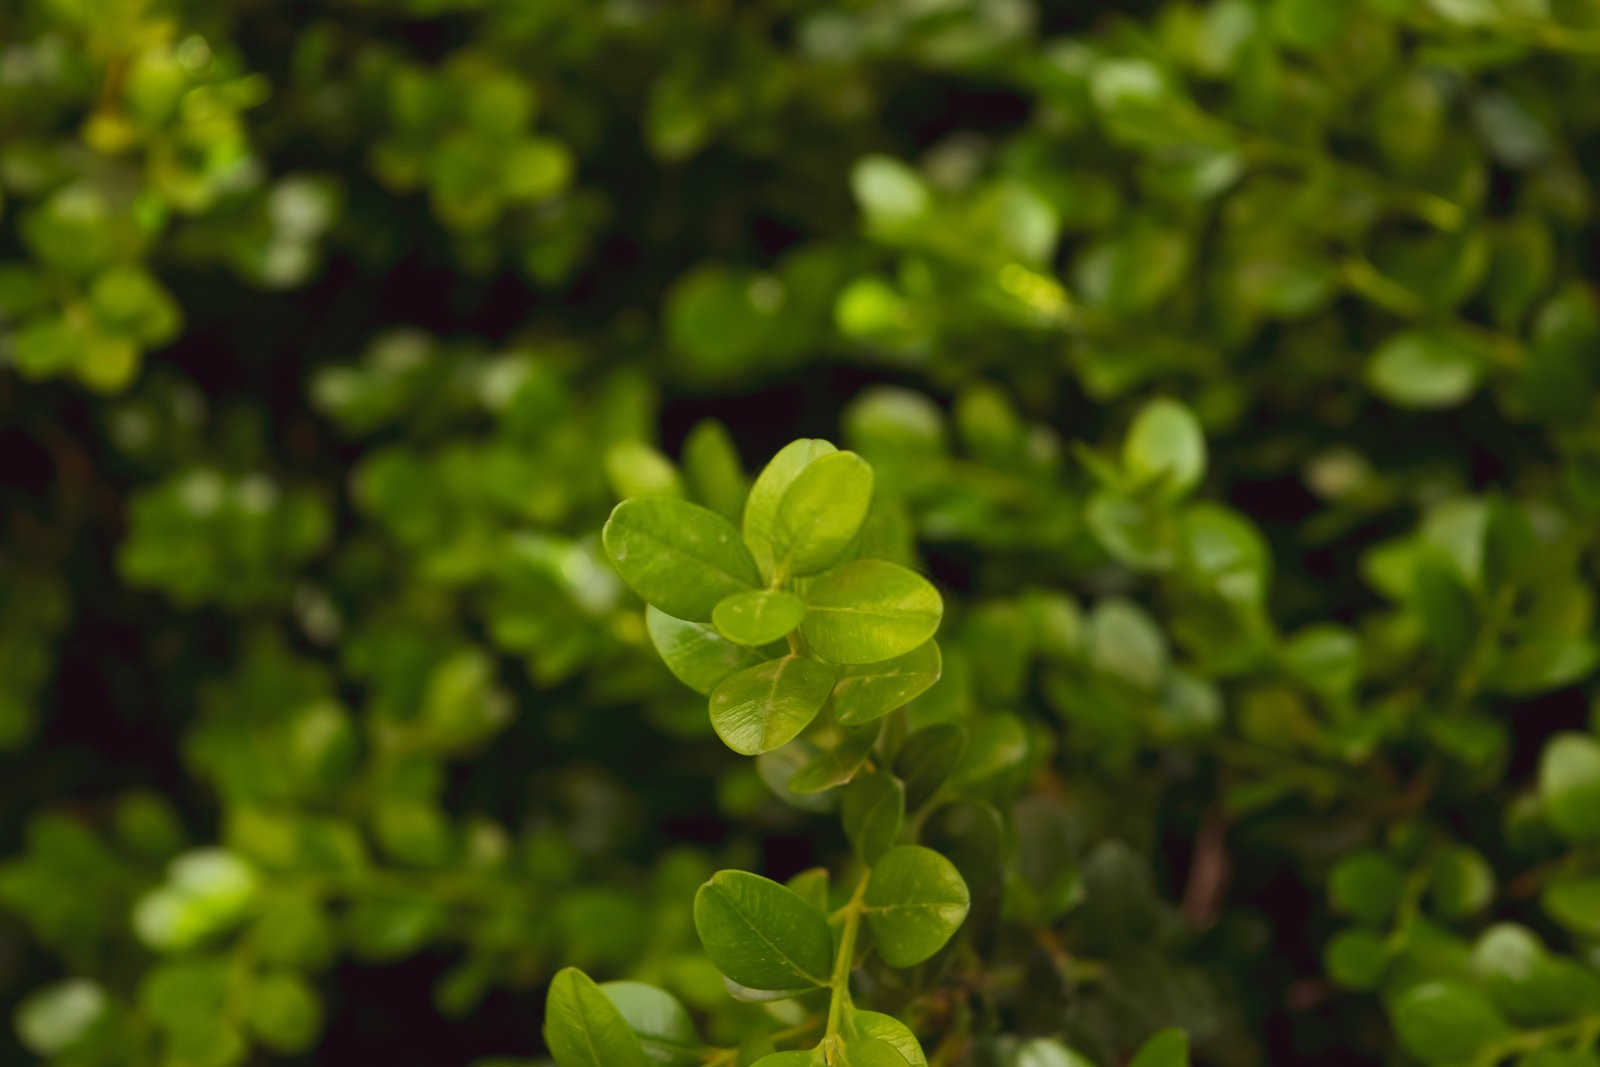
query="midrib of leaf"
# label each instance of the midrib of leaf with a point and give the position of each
(765, 940)
(673, 548)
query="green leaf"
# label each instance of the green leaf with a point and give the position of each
(758, 616)
(679, 556)
(1169, 1048)
(820, 514)
(662, 1024)
(761, 507)
(870, 1052)
(583, 1028)
(711, 467)
(1366, 885)
(1424, 369)
(694, 652)
(915, 901)
(1529, 985)
(1461, 882)
(928, 757)
(873, 808)
(812, 886)
(809, 1058)
(869, 610)
(635, 469)
(1165, 447)
(285, 1014)
(835, 755)
(1356, 958)
(53, 1019)
(892, 1031)
(1225, 553)
(889, 192)
(1569, 785)
(870, 691)
(766, 706)
(1575, 904)
(762, 934)
(1446, 1021)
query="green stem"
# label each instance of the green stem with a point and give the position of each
(839, 983)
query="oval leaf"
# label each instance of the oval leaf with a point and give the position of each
(761, 507)
(872, 690)
(820, 514)
(891, 1031)
(1165, 446)
(1569, 785)
(679, 556)
(761, 934)
(766, 706)
(1422, 369)
(659, 1020)
(915, 900)
(869, 610)
(757, 616)
(696, 654)
(584, 1028)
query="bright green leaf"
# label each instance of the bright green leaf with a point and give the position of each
(679, 556)
(870, 691)
(869, 610)
(583, 1028)
(757, 616)
(694, 652)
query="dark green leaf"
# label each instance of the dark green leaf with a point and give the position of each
(873, 808)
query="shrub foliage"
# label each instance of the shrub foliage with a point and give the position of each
(1187, 653)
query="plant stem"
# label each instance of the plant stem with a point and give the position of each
(839, 983)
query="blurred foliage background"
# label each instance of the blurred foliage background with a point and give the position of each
(330, 331)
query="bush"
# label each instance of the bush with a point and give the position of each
(1186, 653)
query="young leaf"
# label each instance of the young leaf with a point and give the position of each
(762, 934)
(1169, 1048)
(659, 1020)
(820, 514)
(1569, 785)
(766, 706)
(869, 610)
(761, 507)
(1165, 445)
(695, 653)
(757, 616)
(679, 556)
(915, 901)
(873, 808)
(891, 1031)
(584, 1028)
(869, 691)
